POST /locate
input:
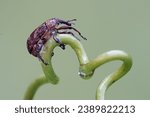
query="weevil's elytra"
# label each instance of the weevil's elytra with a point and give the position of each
(45, 31)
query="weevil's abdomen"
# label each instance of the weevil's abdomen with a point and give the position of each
(31, 46)
(37, 39)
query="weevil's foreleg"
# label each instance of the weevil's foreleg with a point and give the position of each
(69, 22)
(69, 27)
(68, 32)
(58, 41)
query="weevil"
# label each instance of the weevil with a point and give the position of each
(50, 29)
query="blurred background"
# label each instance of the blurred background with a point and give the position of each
(108, 25)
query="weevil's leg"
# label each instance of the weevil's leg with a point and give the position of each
(58, 41)
(67, 32)
(41, 59)
(69, 27)
(69, 22)
(52, 54)
(62, 46)
(38, 48)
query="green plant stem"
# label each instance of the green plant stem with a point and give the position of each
(109, 80)
(50, 75)
(86, 69)
(48, 50)
(30, 93)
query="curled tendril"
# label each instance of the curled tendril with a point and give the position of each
(86, 69)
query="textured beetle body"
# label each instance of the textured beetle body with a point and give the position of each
(49, 29)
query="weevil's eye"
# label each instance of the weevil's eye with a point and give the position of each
(58, 23)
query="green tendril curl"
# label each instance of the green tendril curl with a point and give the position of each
(86, 69)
